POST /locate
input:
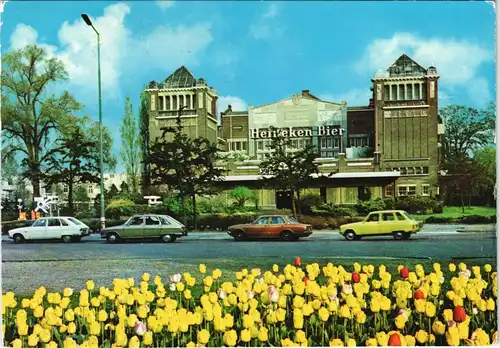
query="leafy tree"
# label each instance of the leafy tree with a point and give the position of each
(10, 166)
(144, 137)
(241, 195)
(468, 177)
(91, 130)
(73, 161)
(466, 129)
(131, 146)
(124, 189)
(185, 164)
(288, 170)
(29, 114)
(81, 197)
(113, 191)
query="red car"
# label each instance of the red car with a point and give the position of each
(271, 226)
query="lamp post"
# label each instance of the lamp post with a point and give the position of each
(89, 23)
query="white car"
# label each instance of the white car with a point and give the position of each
(66, 228)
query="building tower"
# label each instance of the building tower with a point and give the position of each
(199, 118)
(407, 126)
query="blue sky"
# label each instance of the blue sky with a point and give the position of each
(258, 52)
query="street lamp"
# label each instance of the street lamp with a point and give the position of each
(89, 23)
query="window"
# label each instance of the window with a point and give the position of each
(373, 217)
(75, 221)
(161, 106)
(407, 190)
(194, 101)
(409, 92)
(416, 88)
(40, 223)
(292, 220)
(389, 191)
(418, 170)
(188, 101)
(260, 145)
(410, 171)
(400, 217)
(388, 217)
(152, 221)
(358, 141)
(261, 221)
(401, 94)
(181, 100)
(394, 91)
(425, 170)
(65, 189)
(54, 223)
(91, 189)
(322, 193)
(63, 222)
(276, 220)
(174, 102)
(425, 190)
(167, 103)
(136, 221)
(244, 145)
(164, 221)
(386, 93)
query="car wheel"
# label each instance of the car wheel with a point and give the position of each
(240, 236)
(67, 239)
(18, 238)
(112, 238)
(398, 235)
(286, 236)
(167, 238)
(350, 235)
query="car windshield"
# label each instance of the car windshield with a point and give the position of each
(292, 220)
(75, 221)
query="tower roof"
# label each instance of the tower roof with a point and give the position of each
(405, 66)
(181, 78)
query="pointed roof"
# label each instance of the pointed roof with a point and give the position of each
(405, 66)
(181, 78)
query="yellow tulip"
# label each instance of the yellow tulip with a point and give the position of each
(410, 341)
(421, 336)
(134, 342)
(245, 335)
(32, 340)
(420, 306)
(360, 317)
(103, 315)
(45, 335)
(275, 268)
(22, 329)
(69, 343)
(487, 268)
(203, 336)
(438, 328)
(17, 343)
(452, 267)
(263, 336)
(345, 312)
(203, 268)
(452, 336)
(371, 342)
(351, 343)
(375, 305)
(336, 342)
(90, 285)
(430, 309)
(382, 338)
(230, 338)
(400, 321)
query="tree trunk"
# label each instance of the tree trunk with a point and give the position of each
(294, 210)
(35, 182)
(463, 203)
(70, 197)
(194, 211)
(183, 205)
(299, 209)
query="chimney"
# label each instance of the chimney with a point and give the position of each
(305, 92)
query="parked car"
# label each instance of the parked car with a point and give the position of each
(146, 226)
(271, 226)
(66, 228)
(397, 223)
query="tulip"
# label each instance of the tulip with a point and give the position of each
(459, 314)
(298, 262)
(355, 278)
(404, 272)
(419, 295)
(394, 340)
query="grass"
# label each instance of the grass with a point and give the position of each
(456, 212)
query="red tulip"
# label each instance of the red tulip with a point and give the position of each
(355, 277)
(394, 340)
(404, 272)
(305, 280)
(298, 262)
(419, 295)
(459, 314)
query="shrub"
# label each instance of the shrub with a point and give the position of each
(120, 207)
(440, 220)
(366, 207)
(241, 195)
(310, 201)
(475, 219)
(389, 203)
(417, 204)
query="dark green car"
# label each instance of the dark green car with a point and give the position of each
(146, 226)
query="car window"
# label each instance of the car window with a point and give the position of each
(276, 220)
(373, 217)
(75, 221)
(388, 217)
(164, 220)
(292, 220)
(40, 223)
(152, 221)
(136, 221)
(408, 216)
(63, 222)
(261, 221)
(54, 223)
(400, 216)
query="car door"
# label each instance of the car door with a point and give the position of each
(134, 228)
(276, 225)
(389, 223)
(152, 227)
(37, 230)
(371, 224)
(54, 228)
(168, 225)
(258, 228)
(403, 223)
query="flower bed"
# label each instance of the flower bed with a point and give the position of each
(292, 306)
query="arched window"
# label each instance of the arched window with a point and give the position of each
(188, 101)
(174, 102)
(167, 103)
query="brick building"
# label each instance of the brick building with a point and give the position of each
(388, 148)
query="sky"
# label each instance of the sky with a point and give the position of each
(256, 52)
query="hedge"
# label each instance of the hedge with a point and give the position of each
(467, 220)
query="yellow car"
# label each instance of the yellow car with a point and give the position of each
(397, 223)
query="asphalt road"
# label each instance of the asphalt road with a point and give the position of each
(431, 243)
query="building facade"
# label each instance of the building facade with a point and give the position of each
(388, 148)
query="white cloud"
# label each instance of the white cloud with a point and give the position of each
(237, 104)
(164, 48)
(354, 97)
(457, 61)
(266, 26)
(164, 4)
